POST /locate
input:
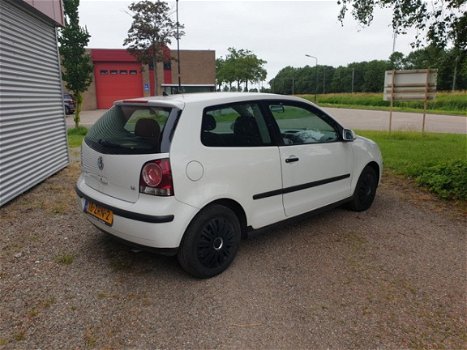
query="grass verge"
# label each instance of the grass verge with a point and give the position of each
(436, 161)
(76, 135)
(450, 103)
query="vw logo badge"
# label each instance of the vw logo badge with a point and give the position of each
(100, 163)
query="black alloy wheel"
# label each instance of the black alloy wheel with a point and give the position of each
(365, 190)
(215, 244)
(211, 242)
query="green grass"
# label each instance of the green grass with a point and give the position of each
(435, 161)
(445, 102)
(76, 135)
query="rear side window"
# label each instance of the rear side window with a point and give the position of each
(234, 125)
(127, 129)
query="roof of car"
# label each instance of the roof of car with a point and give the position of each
(217, 97)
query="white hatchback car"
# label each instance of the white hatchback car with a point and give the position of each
(192, 174)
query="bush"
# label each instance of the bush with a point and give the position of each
(448, 180)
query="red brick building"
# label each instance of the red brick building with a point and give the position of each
(117, 75)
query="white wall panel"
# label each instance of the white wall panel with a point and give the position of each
(33, 143)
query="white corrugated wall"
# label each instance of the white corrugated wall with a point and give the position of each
(33, 142)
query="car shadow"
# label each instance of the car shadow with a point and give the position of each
(120, 258)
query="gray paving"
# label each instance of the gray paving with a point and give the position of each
(379, 120)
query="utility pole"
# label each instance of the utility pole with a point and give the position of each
(178, 52)
(353, 77)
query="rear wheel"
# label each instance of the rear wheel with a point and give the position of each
(210, 242)
(67, 110)
(365, 190)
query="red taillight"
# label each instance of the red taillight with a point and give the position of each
(152, 174)
(156, 178)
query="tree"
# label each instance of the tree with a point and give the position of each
(251, 68)
(77, 66)
(152, 30)
(450, 66)
(241, 66)
(373, 76)
(443, 22)
(220, 72)
(396, 60)
(284, 81)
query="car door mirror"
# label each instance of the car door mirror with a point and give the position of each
(348, 135)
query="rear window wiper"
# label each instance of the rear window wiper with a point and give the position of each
(107, 143)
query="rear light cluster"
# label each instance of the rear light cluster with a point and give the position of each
(156, 178)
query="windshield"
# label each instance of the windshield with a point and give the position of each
(129, 129)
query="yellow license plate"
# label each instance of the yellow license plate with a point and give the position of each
(97, 211)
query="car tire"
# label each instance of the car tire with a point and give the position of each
(67, 110)
(210, 242)
(365, 190)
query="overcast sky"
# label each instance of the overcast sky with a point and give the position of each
(280, 32)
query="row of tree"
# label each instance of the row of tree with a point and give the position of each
(240, 67)
(369, 76)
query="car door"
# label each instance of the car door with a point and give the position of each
(315, 162)
(238, 159)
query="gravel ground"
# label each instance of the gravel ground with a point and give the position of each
(390, 278)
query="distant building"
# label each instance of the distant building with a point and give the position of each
(117, 75)
(33, 142)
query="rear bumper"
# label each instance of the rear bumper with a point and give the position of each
(148, 222)
(155, 219)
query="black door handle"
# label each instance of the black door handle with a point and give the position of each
(291, 159)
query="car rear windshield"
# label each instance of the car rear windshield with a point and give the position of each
(129, 129)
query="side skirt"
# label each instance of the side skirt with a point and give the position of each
(250, 230)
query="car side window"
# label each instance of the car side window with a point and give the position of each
(300, 125)
(234, 125)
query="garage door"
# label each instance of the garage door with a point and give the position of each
(117, 81)
(33, 142)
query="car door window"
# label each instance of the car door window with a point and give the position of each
(234, 125)
(301, 125)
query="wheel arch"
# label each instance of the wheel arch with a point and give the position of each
(236, 208)
(376, 168)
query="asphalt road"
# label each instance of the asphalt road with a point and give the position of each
(379, 120)
(358, 119)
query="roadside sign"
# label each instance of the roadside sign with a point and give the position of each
(409, 85)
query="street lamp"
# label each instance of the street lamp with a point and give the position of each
(316, 72)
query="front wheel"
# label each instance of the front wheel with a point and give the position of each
(365, 190)
(211, 242)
